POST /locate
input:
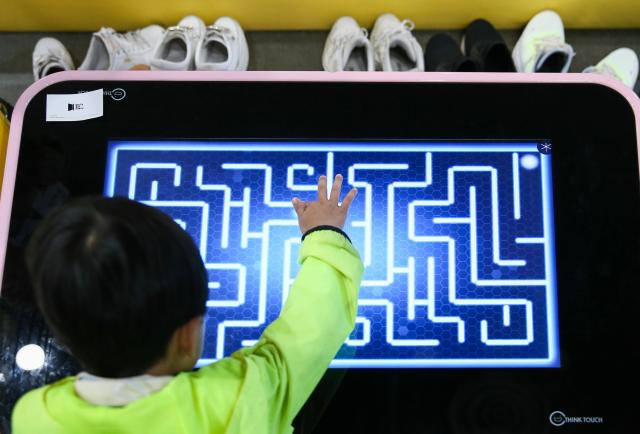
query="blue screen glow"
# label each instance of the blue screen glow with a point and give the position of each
(457, 241)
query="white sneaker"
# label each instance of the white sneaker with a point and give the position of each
(541, 47)
(176, 50)
(223, 47)
(121, 51)
(347, 48)
(49, 56)
(394, 47)
(621, 64)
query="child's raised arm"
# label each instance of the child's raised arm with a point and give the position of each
(290, 358)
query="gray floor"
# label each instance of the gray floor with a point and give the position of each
(292, 51)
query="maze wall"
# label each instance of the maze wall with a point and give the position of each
(457, 241)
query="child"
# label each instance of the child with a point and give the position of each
(124, 288)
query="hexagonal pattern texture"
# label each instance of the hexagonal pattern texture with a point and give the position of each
(457, 241)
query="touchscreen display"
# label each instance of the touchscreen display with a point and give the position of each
(457, 241)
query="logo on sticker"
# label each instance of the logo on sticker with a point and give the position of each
(74, 107)
(558, 418)
(116, 94)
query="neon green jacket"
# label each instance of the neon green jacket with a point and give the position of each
(258, 389)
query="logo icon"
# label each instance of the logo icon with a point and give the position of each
(74, 107)
(544, 147)
(117, 94)
(557, 418)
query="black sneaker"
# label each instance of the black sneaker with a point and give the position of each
(442, 53)
(482, 42)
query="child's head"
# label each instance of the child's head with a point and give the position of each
(121, 285)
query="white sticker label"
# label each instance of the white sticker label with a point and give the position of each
(74, 107)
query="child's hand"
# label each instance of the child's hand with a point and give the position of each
(324, 212)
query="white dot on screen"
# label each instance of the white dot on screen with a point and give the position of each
(30, 357)
(529, 161)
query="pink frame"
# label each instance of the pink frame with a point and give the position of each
(15, 132)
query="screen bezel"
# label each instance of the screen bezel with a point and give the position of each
(591, 121)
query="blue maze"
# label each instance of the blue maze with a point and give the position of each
(457, 241)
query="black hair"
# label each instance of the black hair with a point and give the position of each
(114, 279)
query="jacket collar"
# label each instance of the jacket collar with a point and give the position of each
(116, 392)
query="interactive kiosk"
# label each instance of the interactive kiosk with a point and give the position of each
(498, 220)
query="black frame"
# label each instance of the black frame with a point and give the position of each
(597, 226)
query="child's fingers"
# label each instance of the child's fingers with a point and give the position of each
(348, 199)
(322, 189)
(298, 206)
(335, 189)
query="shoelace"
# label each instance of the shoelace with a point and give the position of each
(339, 40)
(186, 29)
(222, 32)
(382, 45)
(43, 61)
(544, 44)
(549, 43)
(133, 39)
(607, 70)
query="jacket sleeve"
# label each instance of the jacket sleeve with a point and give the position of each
(295, 350)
